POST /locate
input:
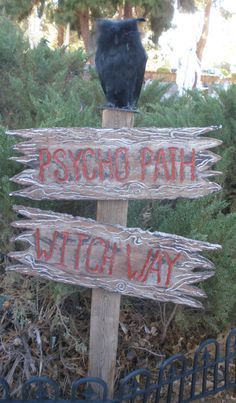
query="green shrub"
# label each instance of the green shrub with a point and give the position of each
(44, 88)
(210, 218)
(203, 220)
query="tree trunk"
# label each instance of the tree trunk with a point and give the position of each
(67, 35)
(205, 29)
(60, 35)
(34, 28)
(138, 11)
(83, 17)
(128, 9)
(120, 11)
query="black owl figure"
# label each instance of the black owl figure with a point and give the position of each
(120, 61)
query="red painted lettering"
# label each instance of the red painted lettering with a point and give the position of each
(65, 236)
(62, 165)
(149, 266)
(170, 266)
(93, 175)
(131, 275)
(44, 162)
(184, 163)
(109, 259)
(146, 157)
(75, 161)
(121, 155)
(95, 269)
(160, 159)
(81, 238)
(105, 163)
(149, 255)
(42, 253)
(153, 264)
(172, 151)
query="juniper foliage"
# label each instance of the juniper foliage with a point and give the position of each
(41, 88)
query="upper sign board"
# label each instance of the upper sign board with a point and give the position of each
(112, 164)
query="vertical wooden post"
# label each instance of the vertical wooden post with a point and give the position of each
(105, 309)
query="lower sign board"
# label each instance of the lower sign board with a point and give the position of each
(112, 164)
(129, 261)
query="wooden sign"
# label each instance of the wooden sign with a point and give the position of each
(112, 164)
(128, 261)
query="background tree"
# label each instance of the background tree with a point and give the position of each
(189, 70)
(82, 14)
(26, 12)
(207, 5)
(20, 10)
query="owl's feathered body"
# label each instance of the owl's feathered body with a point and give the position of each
(120, 61)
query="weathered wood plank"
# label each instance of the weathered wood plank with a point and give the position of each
(105, 305)
(111, 164)
(128, 261)
(99, 133)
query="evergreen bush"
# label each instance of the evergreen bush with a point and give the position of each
(209, 218)
(43, 88)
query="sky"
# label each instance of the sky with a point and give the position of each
(221, 43)
(179, 40)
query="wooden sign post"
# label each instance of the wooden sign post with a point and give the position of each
(105, 309)
(112, 165)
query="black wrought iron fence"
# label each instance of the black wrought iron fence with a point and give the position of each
(178, 380)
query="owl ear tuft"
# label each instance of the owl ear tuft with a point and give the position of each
(102, 22)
